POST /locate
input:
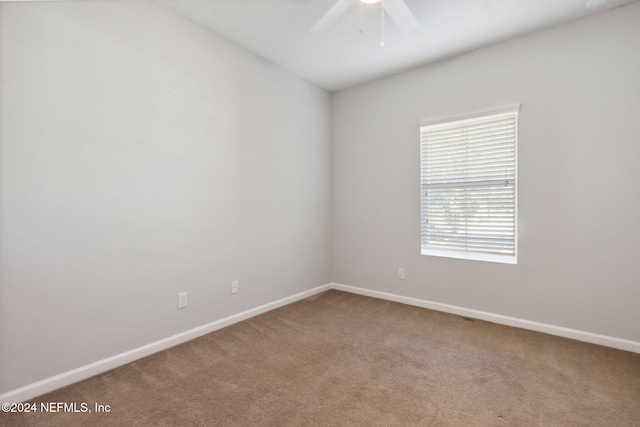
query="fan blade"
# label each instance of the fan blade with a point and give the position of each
(332, 15)
(401, 15)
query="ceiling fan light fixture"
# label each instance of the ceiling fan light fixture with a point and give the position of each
(397, 10)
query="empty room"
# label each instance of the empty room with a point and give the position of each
(320, 212)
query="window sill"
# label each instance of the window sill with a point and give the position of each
(475, 256)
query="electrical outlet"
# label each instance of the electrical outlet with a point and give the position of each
(182, 300)
(401, 273)
(234, 287)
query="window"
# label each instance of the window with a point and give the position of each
(468, 184)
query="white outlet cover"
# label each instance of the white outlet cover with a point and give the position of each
(182, 300)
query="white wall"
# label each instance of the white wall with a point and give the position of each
(579, 200)
(142, 156)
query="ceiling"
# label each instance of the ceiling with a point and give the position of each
(341, 57)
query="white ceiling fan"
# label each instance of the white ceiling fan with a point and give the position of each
(397, 10)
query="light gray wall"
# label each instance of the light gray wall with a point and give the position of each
(142, 156)
(579, 199)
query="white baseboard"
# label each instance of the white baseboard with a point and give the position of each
(589, 337)
(49, 384)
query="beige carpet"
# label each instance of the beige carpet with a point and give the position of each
(339, 359)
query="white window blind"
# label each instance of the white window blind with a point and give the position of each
(468, 182)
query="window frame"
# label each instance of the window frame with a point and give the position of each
(465, 253)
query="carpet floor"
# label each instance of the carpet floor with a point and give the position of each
(339, 359)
